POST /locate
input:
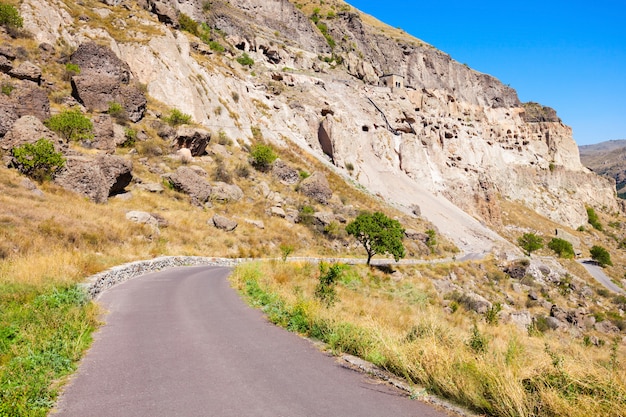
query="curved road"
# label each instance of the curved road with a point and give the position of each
(182, 343)
(597, 272)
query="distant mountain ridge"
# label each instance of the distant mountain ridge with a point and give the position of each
(609, 160)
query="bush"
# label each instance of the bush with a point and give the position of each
(131, 137)
(39, 160)
(263, 156)
(188, 24)
(177, 118)
(6, 88)
(601, 256)
(562, 247)
(70, 71)
(71, 125)
(10, 17)
(593, 219)
(245, 60)
(530, 242)
(325, 289)
(117, 111)
(285, 251)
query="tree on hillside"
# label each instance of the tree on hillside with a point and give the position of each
(378, 234)
(530, 242)
(562, 247)
(601, 256)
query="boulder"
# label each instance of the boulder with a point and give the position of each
(32, 101)
(26, 71)
(194, 138)
(164, 11)
(97, 92)
(134, 102)
(142, 217)
(184, 154)
(29, 129)
(226, 193)
(186, 180)
(284, 173)
(323, 218)
(256, 223)
(476, 302)
(7, 52)
(5, 65)
(223, 223)
(278, 212)
(100, 61)
(104, 135)
(8, 114)
(317, 188)
(522, 319)
(151, 187)
(96, 178)
(606, 327)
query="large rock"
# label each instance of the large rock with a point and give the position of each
(193, 138)
(284, 173)
(5, 65)
(29, 129)
(27, 71)
(96, 178)
(8, 114)
(317, 188)
(165, 12)
(100, 61)
(188, 181)
(103, 133)
(223, 223)
(226, 193)
(32, 101)
(97, 92)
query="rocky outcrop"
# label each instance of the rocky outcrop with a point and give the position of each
(29, 129)
(26, 71)
(193, 138)
(96, 178)
(188, 181)
(100, 61)
(284, 173)
(316, 187)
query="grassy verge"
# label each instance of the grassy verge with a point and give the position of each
(401, 326)
(43, 333)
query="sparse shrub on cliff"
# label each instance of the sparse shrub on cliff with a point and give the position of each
(263, 156)
(177, 118)
(245, 60)
(10, 16)
(72, 125)
(530, 242)
(188, 24)
(562, 247)
(38, 160)
(70, 71)
(593, 219)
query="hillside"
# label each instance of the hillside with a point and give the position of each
(607, 159)
(183, 108)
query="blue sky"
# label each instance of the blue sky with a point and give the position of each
(569, 55)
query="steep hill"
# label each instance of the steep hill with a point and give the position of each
(607, 159)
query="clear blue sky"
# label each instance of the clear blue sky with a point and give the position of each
(569, 55)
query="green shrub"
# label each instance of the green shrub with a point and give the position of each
(131, 137)
(530, 242)
(39, 160)
(216, 46)
(70, 71)
(491, 315)
(10, 17)
(562, 247)
(177, 118)
(593, 219)
(7, 88)
(303, 174)
(601, 256)
(432, 240)
(117, 111)
(306, 215)
(188, 24)
(245, 60)
(477, 341)
(72, 125)
(325, 289)
(263, 156)
(285, 251)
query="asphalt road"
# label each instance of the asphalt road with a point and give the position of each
(597, 272)
(182, 343)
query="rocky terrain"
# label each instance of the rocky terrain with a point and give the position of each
(362, 116)
(607, 159)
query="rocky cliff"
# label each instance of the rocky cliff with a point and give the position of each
(400, 117)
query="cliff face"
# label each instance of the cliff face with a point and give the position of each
(447, 131)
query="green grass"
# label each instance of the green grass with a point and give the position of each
(43, 334)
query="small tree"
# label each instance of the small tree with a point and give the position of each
(325, 289)
(38, 160)
(530, 242)
(285, 251)
(562, 247)
(263, 156)
(177, 118)
(431, 242)
(601, 256)
(71, 125)
(378, 234)
(10, 17)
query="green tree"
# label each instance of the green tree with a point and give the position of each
(38, 160)
(601, 256)
(378, 234)
(10, 17)
(71, 125)
(530, 242)
(263, 156)
(562, 247)
(325, 289)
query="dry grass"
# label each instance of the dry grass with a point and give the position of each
(515, 375)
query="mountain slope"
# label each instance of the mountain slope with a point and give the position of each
(607, 159)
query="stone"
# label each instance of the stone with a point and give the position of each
(27, 71)
(100, 61)
(29, 129)
(223, 223)
(558, 313)
(278, 212)
(256, 223)
(316, 187)
(323, 218)
(416, 210)
(164, 11)
(522, 319)
(284, 173)
(262, 189)
(96, 93)
(96, 178)
(5, 65)
(195, 139)
(187, 181)
(151, 187)
(103, 132)
(7, 52)
(476, 302)
(8, 114)
(226, 193)
(142, 217)
(606, 327)
(554, 324)
(32, 101)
